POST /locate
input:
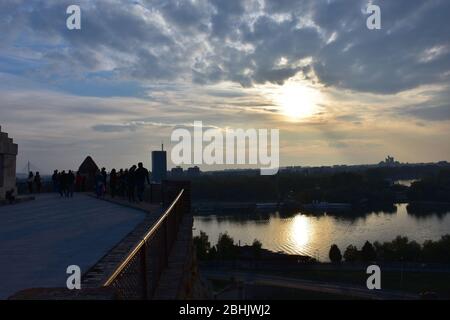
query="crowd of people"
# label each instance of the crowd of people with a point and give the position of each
(129, 183)
(65, 183)
(34, 181)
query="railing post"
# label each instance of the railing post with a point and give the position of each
(144, 270)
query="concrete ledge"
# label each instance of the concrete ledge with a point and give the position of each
(19, 199)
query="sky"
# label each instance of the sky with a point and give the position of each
(338, 92)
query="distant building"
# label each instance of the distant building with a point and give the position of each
(159, 165)
(176, 172)
(389, 162)
(194, 171)
(8, 154)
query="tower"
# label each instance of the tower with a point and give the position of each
(159, 165)
(8, 154)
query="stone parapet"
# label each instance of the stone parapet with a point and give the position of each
(8, 154)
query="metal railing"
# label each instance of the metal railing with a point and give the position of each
(137, 276)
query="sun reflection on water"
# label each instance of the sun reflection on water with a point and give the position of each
(300, 232)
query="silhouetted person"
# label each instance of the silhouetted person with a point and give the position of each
(30, 182)
(122, 182)
(125, 182)
(131, 183)
(55, 181)
(99, 185)
(70, 184)
(113, 182)
(63, 183)
(104, 175)
(9, 196)
(141, 176)
(38, 182)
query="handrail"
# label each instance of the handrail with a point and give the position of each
(139, 245)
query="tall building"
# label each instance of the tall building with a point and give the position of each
(159, 165)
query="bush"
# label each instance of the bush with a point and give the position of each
(368, 252)
(351, 254)
(257, 246)
(225, 247)
(335, 254)
(202, 245)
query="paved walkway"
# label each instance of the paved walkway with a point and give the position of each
(40, 238)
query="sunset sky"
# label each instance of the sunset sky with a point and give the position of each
(338, 92)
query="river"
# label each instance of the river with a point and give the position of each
(314, 234)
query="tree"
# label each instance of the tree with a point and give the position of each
(225, 247)
(212, 254)
(257, 246)
(202, 245)
(351, 254)
(335, 254)
(368, 252)
(437, 251)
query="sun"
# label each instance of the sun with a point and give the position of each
(297, 101)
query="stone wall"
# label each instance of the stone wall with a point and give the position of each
(8, 154)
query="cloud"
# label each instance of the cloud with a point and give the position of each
(430, 113)
(213, 41)
(139, 68)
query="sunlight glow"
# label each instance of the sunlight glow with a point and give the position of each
(300, 232)
(297, 101)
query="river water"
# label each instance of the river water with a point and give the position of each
(314, 234)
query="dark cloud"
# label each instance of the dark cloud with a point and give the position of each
(433, 113)
(114, 127)
(392, 59)
(209, 41)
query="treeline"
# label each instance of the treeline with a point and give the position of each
(225, 249)
(432, 188)
(398, 250)
(370, 186)
(338, 187)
